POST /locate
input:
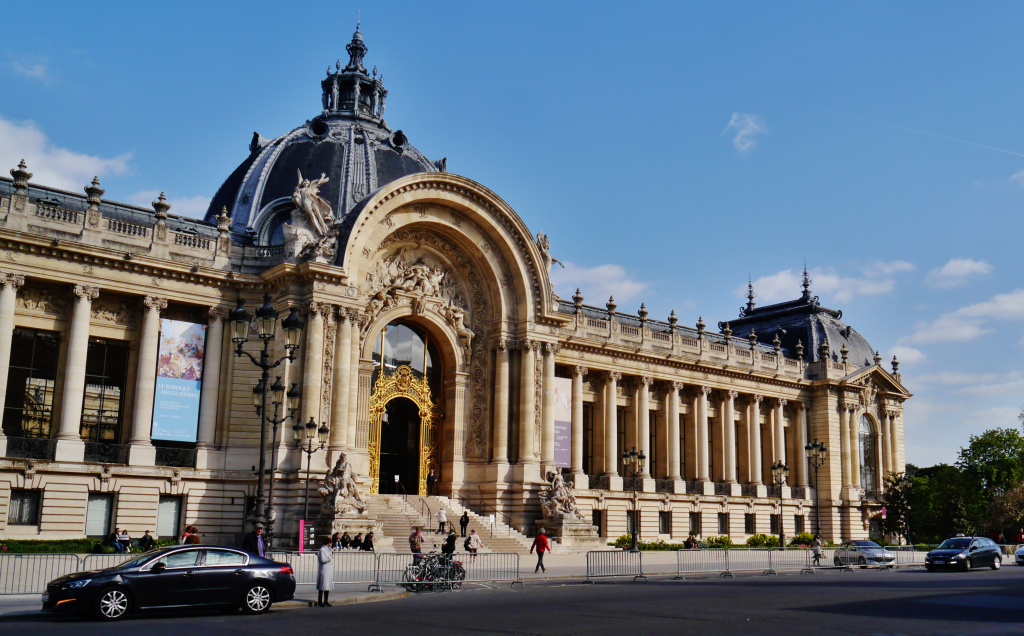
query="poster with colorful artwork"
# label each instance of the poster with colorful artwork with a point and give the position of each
(563, 422)
(179, 378)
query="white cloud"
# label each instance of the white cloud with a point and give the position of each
(956, 377)
(985, 419)
(1011, 384)
(1018, 177)
(50, 164)
(186, 206)
(888, 268)
(971, 322)
(908, 355)
(34, 67)
(597, 283)
(747, 128)
(875, 279)
(956, 272)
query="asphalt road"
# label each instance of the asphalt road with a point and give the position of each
(859, 602)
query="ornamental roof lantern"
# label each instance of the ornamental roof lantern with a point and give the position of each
(351, 91)
(356, 50)
(806, 296)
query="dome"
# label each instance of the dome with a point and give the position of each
(349, 143)
(803, 322)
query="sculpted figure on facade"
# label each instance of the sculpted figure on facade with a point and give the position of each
(310, 233)
(544, 244)
(339, 492)
(558, 499)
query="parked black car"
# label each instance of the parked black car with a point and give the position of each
(179, 576)
(965, 553)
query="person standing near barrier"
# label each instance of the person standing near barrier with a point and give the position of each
(431, 480)
(416, 544)
(464, 521)
(541, 544)
(254, 542)
(442, 520)
(324, 574)
(146, 542)
(473, 544)
(448, 549)
(817, 549)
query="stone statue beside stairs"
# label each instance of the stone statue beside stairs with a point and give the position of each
(562, 520)
(339, 490)
(558, 500)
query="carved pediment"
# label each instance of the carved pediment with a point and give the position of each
(873, 380)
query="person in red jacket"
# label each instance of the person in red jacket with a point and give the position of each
(542, 546)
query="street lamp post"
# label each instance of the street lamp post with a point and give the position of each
(780, 472)
(304, 436)
(817, 455)
(266, 323)
(633, 463)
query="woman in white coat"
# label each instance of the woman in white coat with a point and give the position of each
(324, 574)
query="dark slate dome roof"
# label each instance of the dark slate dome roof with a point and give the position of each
(805, 322)
(349, 142)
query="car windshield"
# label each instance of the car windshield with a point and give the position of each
(139, 560)
(867, 545)
(955, 544)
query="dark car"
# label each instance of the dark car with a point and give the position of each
(179, 576)
(965, 553)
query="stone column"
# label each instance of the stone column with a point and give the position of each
(141, 451)
(342, 378)
(702, 433)
(886, 443)
(69, 439)
(500, 427)
(312, 364)
(547, 431)
(577, 419)
(355, 378)
(209, 399)
(9, 284)
(527, 403)
(780, 431)
(844, 443)
(801, 441)
(643, 425)
(729, 438)
(611, 421)
(754, 431)
(854, 448)
(894, 447)
(673, 430)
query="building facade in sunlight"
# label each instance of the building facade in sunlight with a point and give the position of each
(431, 339)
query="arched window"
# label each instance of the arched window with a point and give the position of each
(868, 454)
(405, 344)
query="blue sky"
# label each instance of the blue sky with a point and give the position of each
(669, 149)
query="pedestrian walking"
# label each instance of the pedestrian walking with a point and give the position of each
(817, 550)
(193, 538)
(442, 520)
(473, 544)
(464, 521)
(324, 574)
(416, 544)
(254, 541)
(185, 535)
(431, 480)
(541, 544)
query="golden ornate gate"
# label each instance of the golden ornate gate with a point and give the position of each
(402, 383)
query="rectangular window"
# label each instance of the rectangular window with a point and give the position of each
(30, 381)
(652, 445)
(168, 517)
(24, 508)
(588, 438)
(98, 514)
(106, 372)
(695, 524)
(597, 519)
(723, 523)
(774, 524)
(665, 522)
(798, 524)
(620, 436)
(682, 447)
(748, 524)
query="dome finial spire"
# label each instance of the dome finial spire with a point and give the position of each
(806, 284)
(750, 295)
(356, 51)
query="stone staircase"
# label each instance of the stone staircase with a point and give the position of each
(399, 515)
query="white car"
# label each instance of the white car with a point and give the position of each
(1018, 552)
(863, 553)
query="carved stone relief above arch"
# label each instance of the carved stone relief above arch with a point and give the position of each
(42, 300)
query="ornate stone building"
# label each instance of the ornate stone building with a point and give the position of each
(432, 339)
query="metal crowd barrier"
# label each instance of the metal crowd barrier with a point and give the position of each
(702, 561)
(608, 563)
(492, 567)
(29, 573)
(103, 561)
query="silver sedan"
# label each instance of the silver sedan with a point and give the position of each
(863, 553)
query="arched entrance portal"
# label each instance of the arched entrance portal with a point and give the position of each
(405, 417)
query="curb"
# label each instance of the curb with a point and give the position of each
(350, 600)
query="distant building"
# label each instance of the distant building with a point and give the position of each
(432, 338)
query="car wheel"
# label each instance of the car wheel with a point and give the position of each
(257, 599)
(930, 568)
(997, 563)
(112, 604)
(838, 562)
(968, 565)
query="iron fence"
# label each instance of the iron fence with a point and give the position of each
(31, 447)
(609, 563)
(29, 573)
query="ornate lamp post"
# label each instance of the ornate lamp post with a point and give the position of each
(780, 472)
(304, 436)
(633, 464)
(266, 323)
(817, 455)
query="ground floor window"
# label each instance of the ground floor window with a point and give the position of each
(98, 514)
(31, 377)
(695, 523)
(749, 526)
(24, 507)
(106, 376)
(597, 519)
(774, 524)
(665, 522)
(798, 524)
(723, 523)
(632, 518)
(168, 516)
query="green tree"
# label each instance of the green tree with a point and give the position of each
(898, 487)
(994, 459)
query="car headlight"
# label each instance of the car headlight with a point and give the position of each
(77, 584)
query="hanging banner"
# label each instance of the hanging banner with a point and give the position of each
(179, 377)
(563, 422)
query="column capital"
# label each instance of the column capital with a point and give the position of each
(892, 413)
(86, 293)
(781, 402)
(314, 309)
(502, 344)
(218, 313)
(733, 394)
(645, 380)
(552, 348)
(527, 345)
(674, 385)
(579, 371)
(757, 398)
(705, 390)
(13, 280)
(154, 303)
(340, 313)
(614, 376)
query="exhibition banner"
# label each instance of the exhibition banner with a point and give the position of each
(563, 422)
(179, 377)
